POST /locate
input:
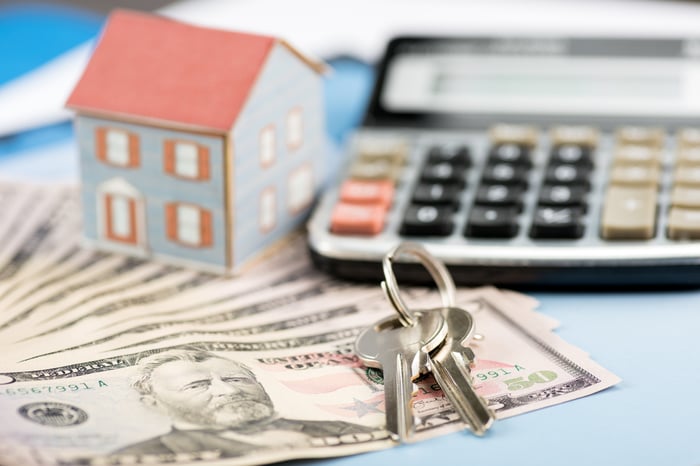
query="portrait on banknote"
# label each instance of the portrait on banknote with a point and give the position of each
(217, 405)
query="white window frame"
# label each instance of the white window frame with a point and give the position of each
(117, 147)
(300, 188)
(295, 128)
(268, 209)
(186, 159)
(267, 143)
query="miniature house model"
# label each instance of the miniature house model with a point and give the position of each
(197, 146)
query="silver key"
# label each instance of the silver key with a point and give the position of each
(400, 351)
(450, 366)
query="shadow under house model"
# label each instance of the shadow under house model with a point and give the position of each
(197, 146)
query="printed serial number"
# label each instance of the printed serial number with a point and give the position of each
(41, 390)
(496, 373)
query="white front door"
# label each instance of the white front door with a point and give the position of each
(120, 218)
(121, 213)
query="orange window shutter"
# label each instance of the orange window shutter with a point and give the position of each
(171, 221)
(108, 216)
(101, 143)
(169, 157)
(207, 237)
(203, 153)
(134, 152)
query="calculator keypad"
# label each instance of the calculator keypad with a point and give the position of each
(572, 183)
(684, 213)
(367, 195)
(443, 177)
(631, 199)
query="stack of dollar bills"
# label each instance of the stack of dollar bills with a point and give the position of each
(110, 359)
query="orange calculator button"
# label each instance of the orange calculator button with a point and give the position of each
(356, 219)
(378, 192)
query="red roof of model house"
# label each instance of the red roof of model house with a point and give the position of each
(158, 69)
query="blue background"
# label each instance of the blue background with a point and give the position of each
(649, 339)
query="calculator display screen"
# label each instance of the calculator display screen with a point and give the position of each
(556, 84)
(613, 79)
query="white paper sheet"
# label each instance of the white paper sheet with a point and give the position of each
(361, 28)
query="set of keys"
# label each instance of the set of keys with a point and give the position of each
(414, 343)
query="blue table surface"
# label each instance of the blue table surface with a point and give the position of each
(647, 338)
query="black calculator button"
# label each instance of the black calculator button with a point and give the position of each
(456, 155)
(443, 173)
(557, 223)
(436, 193)
(568, 174)
(515, 154)
(499, 195)
(560, 195)
(505, 173)
(427, 220)
(572, 154)
(492, 222)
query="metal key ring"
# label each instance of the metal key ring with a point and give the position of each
(437, 270)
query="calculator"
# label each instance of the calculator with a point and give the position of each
(545, 162)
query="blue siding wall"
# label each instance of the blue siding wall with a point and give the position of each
(156, 187)
(285, 83)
